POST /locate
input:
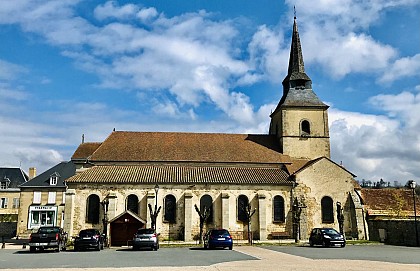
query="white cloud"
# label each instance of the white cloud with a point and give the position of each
(331, 33)
(401, 68)
(269, 53)
(9, 71)
(341, 55)
(146, 14)
(375, 146)
(111, 10)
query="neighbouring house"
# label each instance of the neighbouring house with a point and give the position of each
(42, 199)
(285, 178)
(390, 215)
(10, 180)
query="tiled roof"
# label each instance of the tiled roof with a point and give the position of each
(188, 147)
(85, 150)
(389, 201)
(181, 174)
(63, 170)
(16, 176)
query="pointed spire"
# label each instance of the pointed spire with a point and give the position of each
(296, 66)
(297, 86)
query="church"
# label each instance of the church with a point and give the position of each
(279, 184)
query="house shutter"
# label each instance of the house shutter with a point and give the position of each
(51, 197)
(37, 197)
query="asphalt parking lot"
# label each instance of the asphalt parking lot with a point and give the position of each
(382, 253)
(117, 257)
(242, 258)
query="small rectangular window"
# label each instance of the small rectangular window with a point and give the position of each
(51, 197)
(15, 203)
(3, 185)
(53, 180)
(37, 197)
(3, 203)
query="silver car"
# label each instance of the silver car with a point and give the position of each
(146, 238)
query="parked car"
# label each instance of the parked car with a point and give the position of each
(89, 238)
(218, 238)
(48, 237)
(326, 237)
(146, 238)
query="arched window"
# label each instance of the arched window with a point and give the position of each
(305, 128)
(170, 208)
(206, 201)
(241, 208)
(278, 209)
(132, 203)
(92, 209)
(327, 210)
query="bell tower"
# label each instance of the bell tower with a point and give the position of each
(300, 120)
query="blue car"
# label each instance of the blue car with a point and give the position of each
(218, 238)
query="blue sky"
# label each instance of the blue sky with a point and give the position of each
(70, 67)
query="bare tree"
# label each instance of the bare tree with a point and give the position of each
(204, 215)
(153, 215)
(249, 212)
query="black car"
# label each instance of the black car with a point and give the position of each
(326, 237)
(89, 238)
(218, 238)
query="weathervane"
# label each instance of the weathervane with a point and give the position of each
(294, 11)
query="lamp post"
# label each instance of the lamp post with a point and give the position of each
(413, 188)
(154, 213)
(105, 204)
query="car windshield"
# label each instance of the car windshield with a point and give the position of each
(145, 231)
(87, 232)
(48, 230)
(329, 231)
(219, 232)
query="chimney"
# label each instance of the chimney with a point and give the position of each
(32, 173)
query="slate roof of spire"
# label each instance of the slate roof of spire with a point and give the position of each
(296, 66)
(298, 95)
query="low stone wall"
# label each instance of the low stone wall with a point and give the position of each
(8, 229)
(394, 232)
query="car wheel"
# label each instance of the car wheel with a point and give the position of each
(32, 249)
(155, 248)
(230, 248)
(325, 244)
(58, 248)
(311, 243)
(343, 245)
(135, 248)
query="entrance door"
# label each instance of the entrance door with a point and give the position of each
(123, 229)
(43, 218)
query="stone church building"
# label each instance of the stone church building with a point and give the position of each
(285, 176)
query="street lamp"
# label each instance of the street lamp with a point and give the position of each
(105, 204)
(413, 188)
(156, 195)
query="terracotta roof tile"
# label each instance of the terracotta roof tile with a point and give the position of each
(189, 147)
(182, 174)
(389, 201)
(85, 150)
